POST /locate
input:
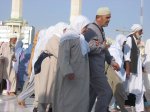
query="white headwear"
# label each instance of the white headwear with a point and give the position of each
(59, 28)
(135, 28)
(75, 32)
(75, 28)
(48, 33)
(146, 63)
(103, 11)
(116, 51)
(79, 23)
(120, 39)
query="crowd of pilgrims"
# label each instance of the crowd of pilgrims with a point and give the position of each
(71, 68)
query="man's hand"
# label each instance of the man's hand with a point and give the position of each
(127, 74)
(116, 66)
(106, 45)
(127, 69)
(71, 76)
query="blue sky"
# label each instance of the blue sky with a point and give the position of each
(43, 13)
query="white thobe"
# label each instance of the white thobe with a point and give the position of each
(135, 82)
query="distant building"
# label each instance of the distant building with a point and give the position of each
(16, 26)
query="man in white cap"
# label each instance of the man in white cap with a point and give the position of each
(133, 66)
(99, 87)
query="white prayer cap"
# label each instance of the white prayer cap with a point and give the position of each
(136, 27)
(103, 11)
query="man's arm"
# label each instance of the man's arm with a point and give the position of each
(94, 43)
(111, 60)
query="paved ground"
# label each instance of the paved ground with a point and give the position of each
(9, 104)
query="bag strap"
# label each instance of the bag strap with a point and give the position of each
(101, 30)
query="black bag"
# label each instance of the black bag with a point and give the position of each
(131, 100)
(37, 65)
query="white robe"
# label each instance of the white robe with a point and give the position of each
(135, 82)
(72, 95)
(146, 74)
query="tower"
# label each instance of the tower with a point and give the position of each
(75, 9)
(16, 11)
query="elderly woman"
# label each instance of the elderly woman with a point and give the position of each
(72, 82)
(46, 77)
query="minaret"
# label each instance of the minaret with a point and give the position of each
(16, 12)
(75, 9)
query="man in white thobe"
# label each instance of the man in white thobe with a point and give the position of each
(133, 66)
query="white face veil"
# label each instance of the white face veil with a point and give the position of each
(55, 30)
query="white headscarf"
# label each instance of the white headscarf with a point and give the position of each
(146, 62)
(135, 28)
(48, 33)
(75, 32)
(116, 51)
(120, 39)
(59, 28)
(147, 47)
(146, 65)
(79, 23)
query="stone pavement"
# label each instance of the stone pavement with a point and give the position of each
(9, 104)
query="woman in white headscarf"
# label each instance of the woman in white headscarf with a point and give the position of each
(117, 78)
(72, 82)
(48, 67)
(146, 74)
